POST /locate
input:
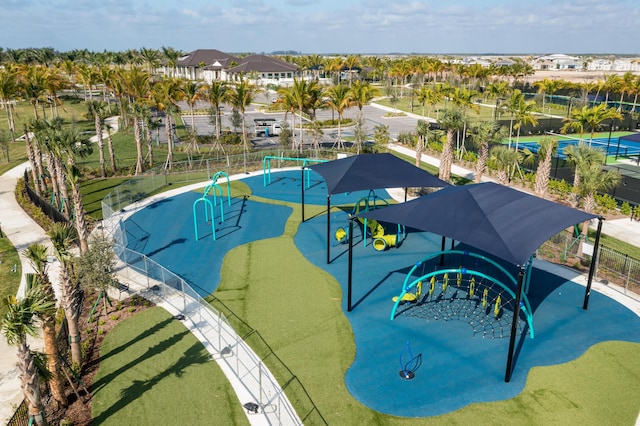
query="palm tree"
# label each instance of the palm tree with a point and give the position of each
(580, 155)
(483, 133)
(422, 130)
(96, 109)
(241, 97)
(62, 235)
(37, 255)
(32, 83)
(429, 97)
(524, 115)
(593, 179)
(590, 118)
(287, 101)
(546, 152)
(139, 111)
(19, 322)
(300, 95)
(192, 92)
(452, 121)
(511, 106)
(338, 100)
(545, 87)
(54, 83)
(79, 219)
(503, 159)
(171, 56)
(8, 92)
(151, 57)
(217, 93)
(165, 94)
(352, 62)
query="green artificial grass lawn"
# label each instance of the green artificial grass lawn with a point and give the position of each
(94, 191)
(72, 110)
(153, 371)
(17, 155)
(9, 280)
(302, 320)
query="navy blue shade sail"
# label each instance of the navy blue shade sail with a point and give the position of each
(505, 222)
(373, 171)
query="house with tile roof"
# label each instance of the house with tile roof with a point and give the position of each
(205, 64)
(210, 64)
(265, 69)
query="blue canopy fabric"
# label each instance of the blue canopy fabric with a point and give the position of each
(633, 138)
(505, 222)
(373, 171)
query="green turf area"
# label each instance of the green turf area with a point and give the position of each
(94, 191)
(9, 280)
(17, 155)
(72, 110)
(154, 372)
(305, 326)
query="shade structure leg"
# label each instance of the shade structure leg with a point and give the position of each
(594, 262)
(514, 327)
(350, 271)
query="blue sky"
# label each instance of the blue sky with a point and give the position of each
(326, 26)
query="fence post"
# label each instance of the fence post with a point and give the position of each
(626, 284)
(260, 383)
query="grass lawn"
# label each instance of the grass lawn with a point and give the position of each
(306, 327)
(73, 110)
(9, 280)
(17, 155)
(94, 191)
(153, 371)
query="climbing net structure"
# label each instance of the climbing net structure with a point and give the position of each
(487, 309)
(484, 301)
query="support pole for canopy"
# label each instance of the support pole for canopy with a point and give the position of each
(444, 240)
(328, 228)
(406, 190)
(350, 261)
(594, 262)
(302, 197)
(514, 326)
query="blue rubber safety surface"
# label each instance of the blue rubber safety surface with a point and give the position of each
(452, 366)
(164, 232)
(286, 186)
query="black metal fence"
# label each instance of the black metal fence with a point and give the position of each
(49, 210)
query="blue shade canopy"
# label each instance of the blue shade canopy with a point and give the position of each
(505, 222)
(633, 138)
(373, 171)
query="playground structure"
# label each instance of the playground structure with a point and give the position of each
(371, 227)
(216, 191)
(304, 162)
(464, 293)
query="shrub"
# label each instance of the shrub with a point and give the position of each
(407, 138)
(606, 202)
(625, 209)
(32, 210)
